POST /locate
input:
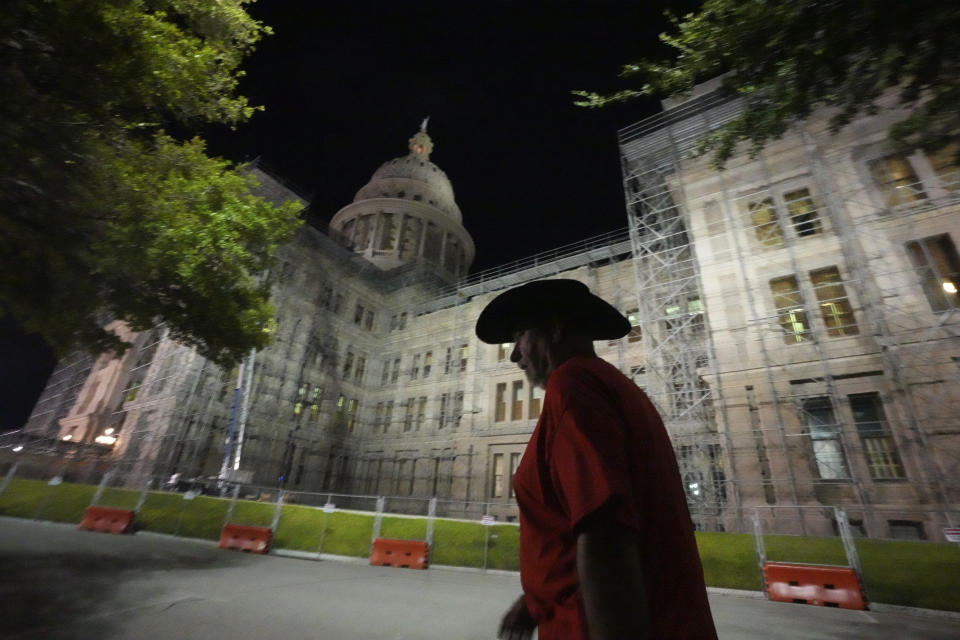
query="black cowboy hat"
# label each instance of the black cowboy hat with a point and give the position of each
(531, 304)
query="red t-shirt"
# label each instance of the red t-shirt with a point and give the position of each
(599, 441)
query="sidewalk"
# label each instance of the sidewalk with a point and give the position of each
(61, 583)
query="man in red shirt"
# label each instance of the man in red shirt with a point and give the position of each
(607, 549)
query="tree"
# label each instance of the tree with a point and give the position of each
(103, 215)
(786, 59)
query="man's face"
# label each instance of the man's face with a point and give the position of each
(531, 353)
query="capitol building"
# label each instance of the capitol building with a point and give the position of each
(795, 319)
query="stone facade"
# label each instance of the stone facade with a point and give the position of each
(825, 359)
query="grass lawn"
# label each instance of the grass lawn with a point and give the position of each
(920, 574)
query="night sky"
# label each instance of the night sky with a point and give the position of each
(346, 84)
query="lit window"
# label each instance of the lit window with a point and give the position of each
(895, 178)
(427, 363)
(498, 476)
(504, 350)
(351, 413)
(938, 267)
(789, 303)
(831, 464)
(878, 446)
(635, 335)
(514, 463)
(464, 349)
(834, 306)
(944, 163)
(763, 218)
(501, 405)
(536, 399)
(802, 212)
(516, 404)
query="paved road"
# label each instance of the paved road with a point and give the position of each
(60, 583)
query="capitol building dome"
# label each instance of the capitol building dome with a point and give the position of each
(407, 213)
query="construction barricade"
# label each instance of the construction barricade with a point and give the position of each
(411, 554)
(824, 585)
(244, 537)
(108, 520)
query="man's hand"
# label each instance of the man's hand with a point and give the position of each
(517, 623)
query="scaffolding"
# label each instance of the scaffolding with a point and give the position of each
(836, 394)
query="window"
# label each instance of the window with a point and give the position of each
(368, 321)
(415, 371)
(427, 363)
(388, 232)
(314, 411)
(498, 476)
(377, 416)
(457, 407)
(448, 361)
(824, 434)
(361, 367)
(403, 320)
(635, 335)
(834, 306)
(938, 267)
(463, 357)
(504, 350)
(387, 415)
(351, 413)
(444, 399)
(408, 415)
(338, 415)
(297, 408)
(396, 370)
(347, 364)
(337, 303)
(536, 399)
(358, 315)
(789, 303)
(944, 163)
(897, 181)
(386, 372)
(802, 212)
(906, 530)
(516, 401)
(421, 411)
(878, 446)
(763, 218)
(500, 413)
(394, 322)
(302, 390)
(514, 463)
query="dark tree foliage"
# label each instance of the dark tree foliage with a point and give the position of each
(102, 214)
(787, 59)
